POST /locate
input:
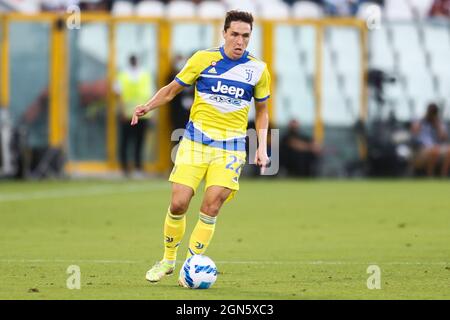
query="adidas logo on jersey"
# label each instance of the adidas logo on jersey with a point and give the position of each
(212, 70)
(223, 88)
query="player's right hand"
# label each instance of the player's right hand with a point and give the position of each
(139, 111)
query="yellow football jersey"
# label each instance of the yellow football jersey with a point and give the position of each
(224, 89)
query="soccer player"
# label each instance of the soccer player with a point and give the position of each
(226, 80)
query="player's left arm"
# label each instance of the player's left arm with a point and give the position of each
(261, 94)
(262, 126)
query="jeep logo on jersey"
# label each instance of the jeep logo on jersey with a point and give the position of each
(223, 88)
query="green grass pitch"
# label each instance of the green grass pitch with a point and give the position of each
(277, 240)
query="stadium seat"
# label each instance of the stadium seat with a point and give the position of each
(369, 9)
(342, 71)
(181, 9)
(150, 8)
(211, 9)
(23, 6)
(407, 43)
(438, 45)
(260, 3)
(244, 5)
(306, 9)
(381, 51)
(421, 7)
(123, 8)
(274, 10)
(396, 10)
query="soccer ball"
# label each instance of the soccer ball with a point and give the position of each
(198, 272)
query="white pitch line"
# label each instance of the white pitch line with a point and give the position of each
(77, 192)
(333, 263)
(226, 262)
(69, 261)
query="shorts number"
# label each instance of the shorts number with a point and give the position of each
(230, 165)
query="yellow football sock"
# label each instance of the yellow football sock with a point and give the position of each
(174, 227)
(202, 234)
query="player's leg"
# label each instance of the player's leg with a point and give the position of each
(446, 161)
(186, 176)
(215, 197)
(175, 223)
(222, 182)
(432, 158)
(174, 227)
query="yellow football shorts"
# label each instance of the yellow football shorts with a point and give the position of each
(195, 161)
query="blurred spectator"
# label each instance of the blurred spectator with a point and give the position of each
(34, 126)
(93, 96)
(431, 140)
(133, 87)
(440, 8)
(96, 5)
(299, 153)
(180, 106)
(341, 7)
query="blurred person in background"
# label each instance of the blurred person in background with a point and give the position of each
(96, 5)
(440, 8)
(93, 96)
(33, 125)
(431, 140)
(299, 152)
(34, 122)
(133, 86)
(341, 7)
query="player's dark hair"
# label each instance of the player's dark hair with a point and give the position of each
(235, 15)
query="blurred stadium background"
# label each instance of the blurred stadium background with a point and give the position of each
(354, 74)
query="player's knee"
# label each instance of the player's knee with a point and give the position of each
(435, 152)
(211, 209)
(179, 206)
(447, 151)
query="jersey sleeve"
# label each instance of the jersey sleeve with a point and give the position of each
(262, 88)
(191, 71)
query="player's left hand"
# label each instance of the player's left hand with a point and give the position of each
(262, 160)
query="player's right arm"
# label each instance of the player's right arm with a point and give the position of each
(185, 78)
(162, 97)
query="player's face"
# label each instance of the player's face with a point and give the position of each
(236, 38)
